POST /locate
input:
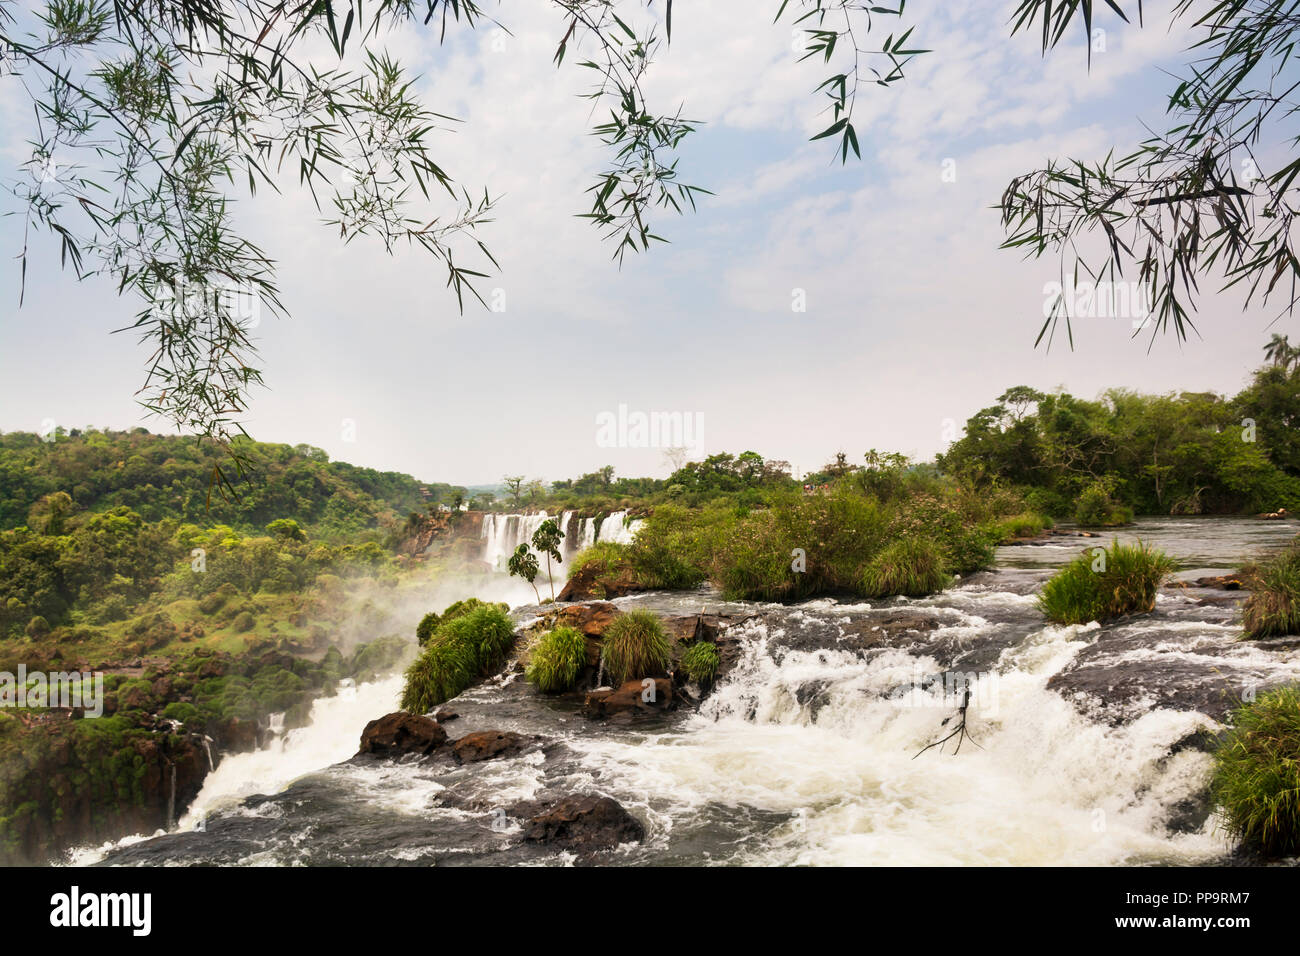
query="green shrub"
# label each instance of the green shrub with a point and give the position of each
(663, 554)
(110, 610)
(700, 663)
(1095, 509)
(1121, 579)
(1256, 780)
(428, 624)
(912, 567)
(634, 646)
(1026, 525)
(557, 660)
(462, 650)
(487, 631)
(607, 557)
(958, 525)
(1273, 607)
(243, 622)
(180, 712)
(38, 627)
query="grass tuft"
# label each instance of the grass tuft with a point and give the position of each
(1273, 607)
(557, 660)
(700, 663)
(912, 567)
(462, 650)
(635, 645)
(1257, 774)
(1105, 583)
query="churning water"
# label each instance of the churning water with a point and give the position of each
(1080, 748)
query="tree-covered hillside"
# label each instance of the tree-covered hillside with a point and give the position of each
(163, 476)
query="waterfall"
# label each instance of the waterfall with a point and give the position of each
(334, 726)
(568, 540)
(207, 749)
(618, 529)
(171, 800)
(503, 533)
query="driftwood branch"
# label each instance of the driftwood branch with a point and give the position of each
(960, 732)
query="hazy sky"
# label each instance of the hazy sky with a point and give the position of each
(914, 318)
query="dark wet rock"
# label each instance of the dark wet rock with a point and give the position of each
(584, 824)
(487, 744)
(1222, 582)
(634, 696)
(1189, 815)
(399, 734)
(1130, 669)
(235, 735)
(445, 715)
(683, 628)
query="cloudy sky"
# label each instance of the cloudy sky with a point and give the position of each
(914, 319)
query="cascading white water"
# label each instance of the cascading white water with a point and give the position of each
(330, 735)
(1041, 784)
(503, 533)
(618, 529)
(586, 534)
(565, 520)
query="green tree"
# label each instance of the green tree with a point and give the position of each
(547, 540)
(523, 564)
(514, 487)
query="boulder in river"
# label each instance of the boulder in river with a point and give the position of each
(486, 744)
(594, 580)
(584, 823)
(398, 734)
(632, 697)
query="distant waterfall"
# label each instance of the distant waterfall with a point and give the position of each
(618, 529)
(502, 533)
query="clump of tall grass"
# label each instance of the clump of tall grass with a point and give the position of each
(1105, 583)
(1256, 780)
(440, 673)
(700, 663)
(557, 660)
(912, 567)
(1273, 607)
(635, 645)
(459, 652)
